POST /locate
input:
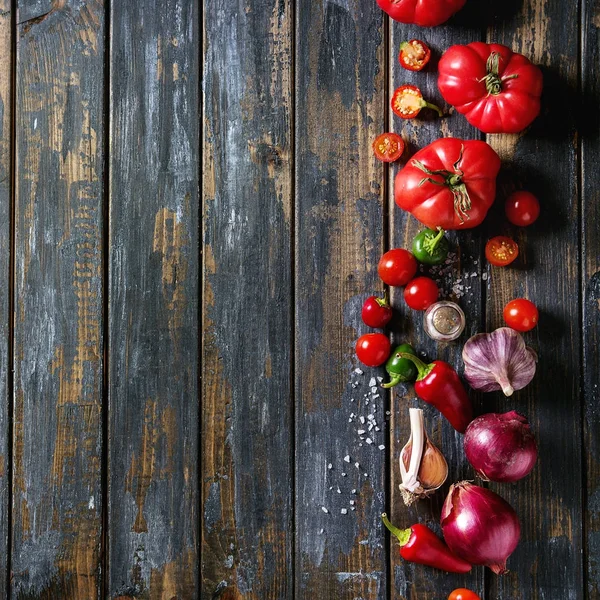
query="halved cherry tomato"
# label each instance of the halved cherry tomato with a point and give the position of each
(397, 267)
(414, 55)
(408, 101)
(522, 208)
(421, 293)
(501, 251)
(521, 314)
(376, 312)
(388, 147)
(373, 349)
(463, 594)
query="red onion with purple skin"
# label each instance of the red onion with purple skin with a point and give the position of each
(479, 526)
(501, 447)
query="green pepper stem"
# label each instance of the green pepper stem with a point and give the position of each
(403, 535)
(430, 244)
(395, 380)
(423, 368)
(437, 109)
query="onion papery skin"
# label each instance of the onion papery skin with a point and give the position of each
(479, 526)
(501, 447)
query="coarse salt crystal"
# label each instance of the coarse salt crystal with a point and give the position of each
(387, 412)
(380, 379)
(343, 474)
(330, 466)
(360, 431)
(369, 441)
(370, 417)
(321, 530)
(324, 510)
(366, 474)
(370, 426)
(484, 276)
(372, 382)
(344, 511)
(377, 429)
(382, 447)
(358, 371)
(373, 390)
(361, 419)
(353, 508)
(347, 458)
(352, 502)
(375, 396)
(357, 465)
(338, 490)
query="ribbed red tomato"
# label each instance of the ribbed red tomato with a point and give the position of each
(449, 184)
(496, 89)
(426, 13)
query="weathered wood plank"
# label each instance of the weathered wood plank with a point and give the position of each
(548, 560)
(340, 81)
(589, 128)
(153, 300)
(58, 303)
(6, 92)
(247, 467)
(409, 580)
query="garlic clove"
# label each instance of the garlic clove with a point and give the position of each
(423, 467)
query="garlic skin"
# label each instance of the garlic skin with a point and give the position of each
(422, 466)
(498, 361)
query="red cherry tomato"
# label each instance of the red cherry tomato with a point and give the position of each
(522, 208)
(521, 314)
(501, 251)
(463, 594)
(425, 13)
(414, 55)
(407, 102)
(373, 349)
(388, 147)
(421, 293)
(376, 312)
(397, 267)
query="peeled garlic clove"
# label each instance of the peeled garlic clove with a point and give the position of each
(422, 466)
(498, 361)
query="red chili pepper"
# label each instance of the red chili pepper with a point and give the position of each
(439, 384)
(420, 545)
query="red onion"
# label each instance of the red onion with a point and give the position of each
(501, 447)
(479, 526)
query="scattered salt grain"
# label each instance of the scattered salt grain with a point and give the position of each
(372, 382)
(361, 419)
(352, 502)
(330, 466)
(353, 508)
(373, 390)
(354, 491)
(366, 474)
(370, 417)
(347, 458)
(360, 431)
(338, 490)
(377, 429)
(369, 441)
(321, 530)
(358, 371)
(344, 511)
(484, 276)
(343, 474)
(357, 465)
(375, 396)
(382, 447)
(324, 510)
(380, 379)
(388, 413)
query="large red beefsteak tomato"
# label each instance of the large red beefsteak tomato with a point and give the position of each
(497, 89)
(426, 13)
(450, 184)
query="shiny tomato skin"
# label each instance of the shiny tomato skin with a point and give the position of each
(463, 594)
(397, 267)
(463, 81)
(388, 147)
(522, 208)
(434, 203)
(521, 314)
(373, 349)
(376, 312)
(500, 251)
(414, 55)
(421, 293)
(425, 13)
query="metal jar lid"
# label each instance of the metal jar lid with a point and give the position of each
(444, 321)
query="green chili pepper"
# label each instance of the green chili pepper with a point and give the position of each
(400, 369)
(430, 247)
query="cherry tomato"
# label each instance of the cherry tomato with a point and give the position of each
(408, 101)
(397, 267)
(388, 147)
(376, 312)
(522, 208)
(521, 314)
(463, 594)
(501, 251)
(421, 293)
(414, 55)
(373, 349)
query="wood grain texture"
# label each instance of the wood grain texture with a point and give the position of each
(589, 127)
(6, 91)
(412, 581)
(247, 449)
(548, 560)
(153, 303)
(340, 75)
(58, 304)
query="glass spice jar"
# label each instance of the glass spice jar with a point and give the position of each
(444, 321)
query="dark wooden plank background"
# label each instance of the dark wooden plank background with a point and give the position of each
(190, 220)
